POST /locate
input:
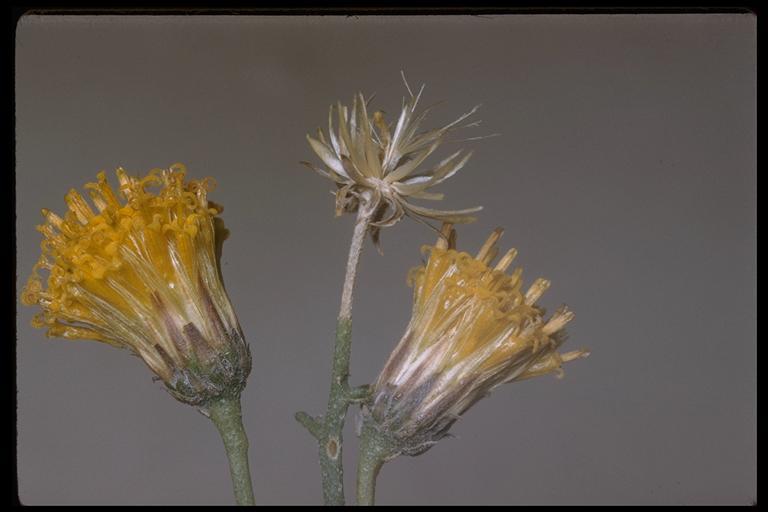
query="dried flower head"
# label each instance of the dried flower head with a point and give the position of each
(377, 163)
(472, 329)
(143, 274)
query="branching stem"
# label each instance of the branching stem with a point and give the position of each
(328, 428)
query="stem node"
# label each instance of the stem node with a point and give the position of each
(314, 426)
(328, 429)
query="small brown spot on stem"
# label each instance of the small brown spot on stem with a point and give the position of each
(332, 448)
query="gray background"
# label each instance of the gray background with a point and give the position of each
(625, 173)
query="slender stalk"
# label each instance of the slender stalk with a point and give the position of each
(367, 471)
(355, 249)
(328, 428)
(375, 449)
(368, 467)
(226, 415)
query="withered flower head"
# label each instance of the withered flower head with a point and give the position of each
(378, 163)
(472, 329)
(142, 273)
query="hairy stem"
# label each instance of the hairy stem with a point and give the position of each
(355, 249)
(226, 415)
(375, 449)
(330, 443)
(367, 471)
(328, 428)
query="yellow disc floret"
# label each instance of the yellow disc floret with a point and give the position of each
(138, 269)
(472, 328)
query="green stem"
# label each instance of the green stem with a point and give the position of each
(226, 415)
(375, 449)
(330, 443)
(328, 429)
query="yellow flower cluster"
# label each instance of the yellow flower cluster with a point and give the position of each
(472, 329)
(454, 282)
(140, 273)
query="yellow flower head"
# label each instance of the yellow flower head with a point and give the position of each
(141, 272)
(472, 329)
(378, 163)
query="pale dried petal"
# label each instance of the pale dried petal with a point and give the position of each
(327, 156)
(380, 163)
(452, 216)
